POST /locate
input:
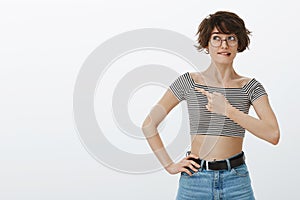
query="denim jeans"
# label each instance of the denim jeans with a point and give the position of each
(233, 184)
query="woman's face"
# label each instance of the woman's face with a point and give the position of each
(222, 47)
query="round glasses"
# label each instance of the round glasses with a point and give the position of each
(216, 41)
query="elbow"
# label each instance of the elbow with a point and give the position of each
(148, 128)
(144, 127)
(275, 137)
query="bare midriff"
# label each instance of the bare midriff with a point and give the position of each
(211, 147)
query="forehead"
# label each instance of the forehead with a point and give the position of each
(216, 31)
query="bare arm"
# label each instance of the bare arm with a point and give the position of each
(149, 128)
(266, 127)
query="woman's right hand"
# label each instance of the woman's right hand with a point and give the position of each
(183, 165)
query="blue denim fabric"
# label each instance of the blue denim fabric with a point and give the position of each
(233, 184)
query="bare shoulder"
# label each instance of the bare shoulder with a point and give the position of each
(198, 77)
(243, 80)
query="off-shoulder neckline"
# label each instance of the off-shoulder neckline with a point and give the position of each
(198, 84)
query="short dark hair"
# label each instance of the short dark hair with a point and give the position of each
(226, 22)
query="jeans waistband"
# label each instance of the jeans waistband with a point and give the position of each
(228, 163)
(235, 155)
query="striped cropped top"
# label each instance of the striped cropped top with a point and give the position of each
(205, 122)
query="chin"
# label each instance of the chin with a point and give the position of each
(224, 62)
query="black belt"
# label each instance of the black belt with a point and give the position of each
(235, 161)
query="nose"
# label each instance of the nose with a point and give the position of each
(224, 44)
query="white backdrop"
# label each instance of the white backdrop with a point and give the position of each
(43, 45)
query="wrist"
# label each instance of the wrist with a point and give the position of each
(229, 110)
(170, 168)
(168, 165)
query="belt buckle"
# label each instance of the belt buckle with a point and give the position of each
(207, 166)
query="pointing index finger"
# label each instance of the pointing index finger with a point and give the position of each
(202, 91)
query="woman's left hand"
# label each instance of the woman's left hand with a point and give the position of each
(216, 102)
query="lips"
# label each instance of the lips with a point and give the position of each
(224, 53)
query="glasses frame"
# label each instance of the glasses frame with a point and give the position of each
(221, 41)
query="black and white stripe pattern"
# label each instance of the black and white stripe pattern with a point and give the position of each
(203, 121)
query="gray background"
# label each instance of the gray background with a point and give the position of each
(43, 46)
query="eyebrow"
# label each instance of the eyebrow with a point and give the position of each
(222, 33)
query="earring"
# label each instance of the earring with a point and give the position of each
(206, 51)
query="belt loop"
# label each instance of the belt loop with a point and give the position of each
(228, 165)
(201, 165)
(187, 153)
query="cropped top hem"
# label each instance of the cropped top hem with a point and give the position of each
(202, 120)
(239, 135)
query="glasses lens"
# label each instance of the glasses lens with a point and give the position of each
(215, 41)
(231, 41)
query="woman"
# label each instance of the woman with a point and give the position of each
(218, 102)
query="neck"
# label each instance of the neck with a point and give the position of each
(222, 72)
